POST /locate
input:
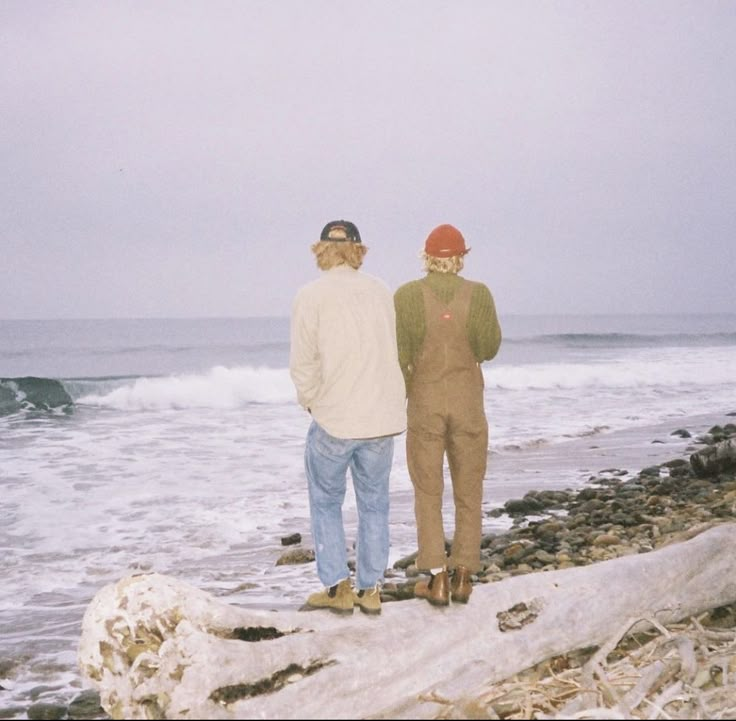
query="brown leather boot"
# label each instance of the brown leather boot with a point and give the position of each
(461, 586)
(436, 590)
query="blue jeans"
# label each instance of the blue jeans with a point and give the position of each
(326, 460)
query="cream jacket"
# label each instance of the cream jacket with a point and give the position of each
(344, 360)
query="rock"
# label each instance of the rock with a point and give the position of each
(406, 561)
(547, 529)
(291, 540)
(296, 555)
(715, 459)
(545, 557)
(522, 507)
(46, 712)
(516, 551)
(86, 705)
(606, 539)
(12, 712)
(553, 499)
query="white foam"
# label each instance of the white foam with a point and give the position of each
(221, 387)
(661, 367)
(643, 370)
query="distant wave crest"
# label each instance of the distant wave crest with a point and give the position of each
(243, 349)
(220, 387)
(223, 387)
(696, 368)
(629, 340)
(236, 387)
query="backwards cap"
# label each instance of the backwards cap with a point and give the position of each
(340, 230)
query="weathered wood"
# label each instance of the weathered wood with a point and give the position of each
(154, 646)
(714, 459)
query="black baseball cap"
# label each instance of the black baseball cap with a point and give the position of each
(340, 230)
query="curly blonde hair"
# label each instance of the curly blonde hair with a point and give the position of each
(330, 254)
(453, 264)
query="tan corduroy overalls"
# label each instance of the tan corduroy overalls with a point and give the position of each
(446, 415)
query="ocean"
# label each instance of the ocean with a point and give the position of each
(182, 454)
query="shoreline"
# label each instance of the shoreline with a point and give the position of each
(552, 465)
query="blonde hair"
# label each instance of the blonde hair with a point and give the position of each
(330, 254)
(453, 264)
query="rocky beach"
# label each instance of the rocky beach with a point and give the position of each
(608, 518)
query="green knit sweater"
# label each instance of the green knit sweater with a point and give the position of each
(484, 331)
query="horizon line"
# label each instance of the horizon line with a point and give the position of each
(286, 317)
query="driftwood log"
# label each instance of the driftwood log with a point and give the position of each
(715, 459)
(155, 647)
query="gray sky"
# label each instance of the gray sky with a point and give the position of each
(178, 158)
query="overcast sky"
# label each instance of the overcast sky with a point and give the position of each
(174, 159)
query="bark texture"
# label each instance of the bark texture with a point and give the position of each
(155, 647)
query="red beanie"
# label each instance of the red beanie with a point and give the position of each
(445, 241)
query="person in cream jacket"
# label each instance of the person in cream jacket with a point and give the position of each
(344, 365)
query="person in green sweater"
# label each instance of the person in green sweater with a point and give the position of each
(446, 326)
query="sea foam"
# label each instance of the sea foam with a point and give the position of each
(220, 387)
